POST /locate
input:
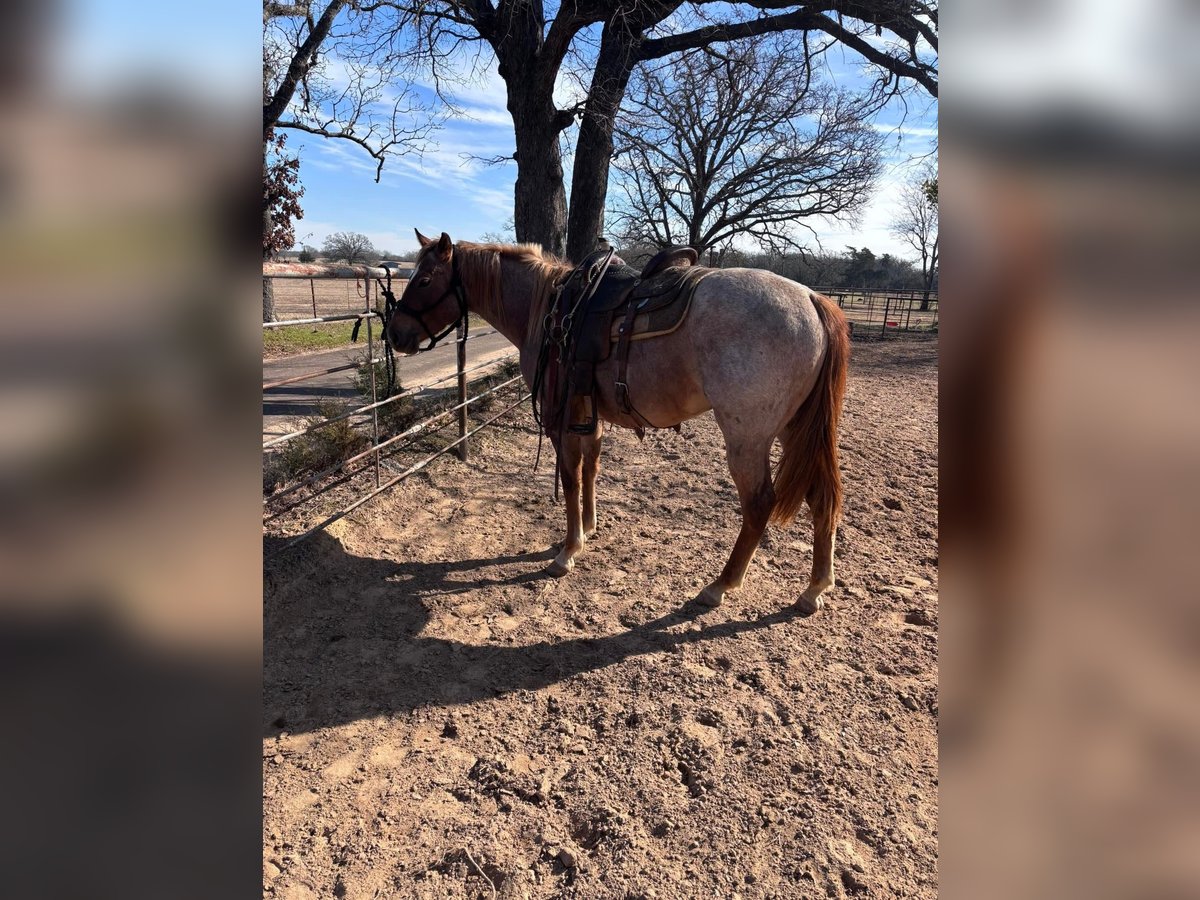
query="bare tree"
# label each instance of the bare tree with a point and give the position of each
(898, 38)
(706, 154)
(917, 223)
(334, 70)
(348, 246)
(329, 69)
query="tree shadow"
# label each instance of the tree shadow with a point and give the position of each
(343, 636)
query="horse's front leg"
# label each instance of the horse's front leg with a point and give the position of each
(591, 466)
(570, 473)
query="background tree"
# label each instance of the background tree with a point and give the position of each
(329, 69)
(281, 208)
(506, 234)
(349, 247)
(707, 155)
(281, 196)
(917, 223)
(530, 50)
(334, 70)
(307, 254)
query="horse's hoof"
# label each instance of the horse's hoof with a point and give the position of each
(809, 605)
(558, 568)
(710, 597)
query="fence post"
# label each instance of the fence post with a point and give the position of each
(312, 286)
(371, 368)
(462, 388)
(887, 305)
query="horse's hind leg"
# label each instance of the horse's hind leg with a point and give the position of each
(750, 465)
(824, 531)
(591, 466)
(570, 472)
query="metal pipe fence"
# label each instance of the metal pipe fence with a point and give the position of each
(880, 313)
(362, 421)
(871, 313)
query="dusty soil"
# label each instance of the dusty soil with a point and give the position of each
(440, 720)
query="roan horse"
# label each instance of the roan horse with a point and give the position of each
(768, 356)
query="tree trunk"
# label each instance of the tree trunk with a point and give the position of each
(540, 200)
(927, 277)
(594, 149)
(269, 300)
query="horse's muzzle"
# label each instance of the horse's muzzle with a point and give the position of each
(405, 342)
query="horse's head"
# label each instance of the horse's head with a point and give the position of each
(432, 303)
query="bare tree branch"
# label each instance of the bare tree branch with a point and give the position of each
(707, 156)
(917, 221)
(342, 76)
(302, 60)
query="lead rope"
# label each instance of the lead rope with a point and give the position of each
(389, 359)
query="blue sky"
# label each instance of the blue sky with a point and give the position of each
(101, 43)
(447, 190)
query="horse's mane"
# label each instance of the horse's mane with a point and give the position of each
(479, 267)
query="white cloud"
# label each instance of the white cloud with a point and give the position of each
(340, 155)
(910, 131)
(483, 115)
(874, 228)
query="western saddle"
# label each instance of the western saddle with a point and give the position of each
(598, 306)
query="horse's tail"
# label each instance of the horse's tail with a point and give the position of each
(809, 467)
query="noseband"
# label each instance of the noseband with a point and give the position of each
(456, 288)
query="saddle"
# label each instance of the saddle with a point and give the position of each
(602, 307)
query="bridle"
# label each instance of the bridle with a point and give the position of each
(394, 306)
(391, 306)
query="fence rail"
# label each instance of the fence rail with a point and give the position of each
(882, 313)
(870, 312)
(364, 417)
(324, 290)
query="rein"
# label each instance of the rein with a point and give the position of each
(393, 306)
(389, 300)
(560, 337)
(558, 340)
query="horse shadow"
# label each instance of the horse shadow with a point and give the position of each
(344, 637)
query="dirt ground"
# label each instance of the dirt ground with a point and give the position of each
(441, 720)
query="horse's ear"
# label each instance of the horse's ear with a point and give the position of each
(444, 246)
(421, 239)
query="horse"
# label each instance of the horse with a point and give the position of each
(767, 355)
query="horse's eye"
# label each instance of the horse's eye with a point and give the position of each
(424, 282)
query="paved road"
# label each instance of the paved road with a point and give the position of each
(282, 406)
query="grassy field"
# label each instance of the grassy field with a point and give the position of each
(303, 338)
